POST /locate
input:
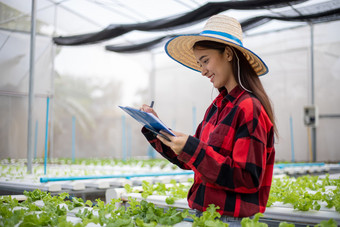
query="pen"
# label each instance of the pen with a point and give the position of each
(151, 105)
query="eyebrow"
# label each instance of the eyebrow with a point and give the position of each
(201, 58)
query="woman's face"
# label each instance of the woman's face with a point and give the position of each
(216, 66)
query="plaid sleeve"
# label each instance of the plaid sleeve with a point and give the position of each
(246, 132)
(164, 150)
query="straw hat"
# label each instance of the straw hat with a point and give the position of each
(219, 28)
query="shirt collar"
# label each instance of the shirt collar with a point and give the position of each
(233, 94)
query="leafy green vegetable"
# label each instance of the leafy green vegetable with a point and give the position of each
(176, 191)
(147, 189)
(128, 188)
(294, 191)
(330, 223)
(170, 200)
(247, 222)
(285, 224)
(210, 217)
(42, 209)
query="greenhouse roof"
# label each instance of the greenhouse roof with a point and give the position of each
(150, 22)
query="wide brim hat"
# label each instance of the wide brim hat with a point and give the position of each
(219, 28)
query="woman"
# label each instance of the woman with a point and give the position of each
(232, 152)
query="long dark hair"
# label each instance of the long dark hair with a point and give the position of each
(249, 79)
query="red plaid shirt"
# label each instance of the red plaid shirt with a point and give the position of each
(232, 155)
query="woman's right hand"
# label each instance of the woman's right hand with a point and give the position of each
(148, 109)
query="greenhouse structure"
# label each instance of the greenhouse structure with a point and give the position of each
(70, 156)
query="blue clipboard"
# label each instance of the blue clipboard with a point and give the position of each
(148, 120)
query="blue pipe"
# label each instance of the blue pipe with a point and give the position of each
(194, 126)
(283, 165)
(73, 139)
(129, 142)
(46, 133)
(35, 139)
(292, 138)
(173, 124)
(123, 138)
(151, 152)
(127, 176)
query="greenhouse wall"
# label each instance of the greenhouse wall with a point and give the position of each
(14, 61)
(288, 55)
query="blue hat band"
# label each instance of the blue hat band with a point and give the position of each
(223, 34)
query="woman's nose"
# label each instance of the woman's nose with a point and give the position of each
(204, 71)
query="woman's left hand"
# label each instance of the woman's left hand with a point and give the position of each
(176, 143)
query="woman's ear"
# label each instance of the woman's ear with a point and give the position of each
(228, 53)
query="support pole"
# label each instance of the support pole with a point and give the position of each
(51, 134)
(152, 78)
(313, 129)
(31, 90)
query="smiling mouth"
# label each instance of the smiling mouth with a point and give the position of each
(211, 77)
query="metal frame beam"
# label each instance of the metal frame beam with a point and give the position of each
(31, 89)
